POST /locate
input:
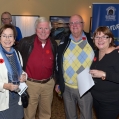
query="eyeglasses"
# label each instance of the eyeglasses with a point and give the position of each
(102, 37)
(76, 23)
(5, 36)
(5, 19)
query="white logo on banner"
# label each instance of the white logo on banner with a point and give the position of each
(110, 14)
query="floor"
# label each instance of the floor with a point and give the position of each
(58, 108)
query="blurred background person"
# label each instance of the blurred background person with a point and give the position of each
(6, 18)
(105, 72)
(60, 31)
(11, 75)
(54, 25)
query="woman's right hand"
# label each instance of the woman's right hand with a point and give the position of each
(10, 86)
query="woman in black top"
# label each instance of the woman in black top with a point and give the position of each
(105, 72)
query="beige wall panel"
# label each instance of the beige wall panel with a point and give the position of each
(52, 8)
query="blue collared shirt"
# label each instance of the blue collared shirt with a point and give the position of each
(72, 38)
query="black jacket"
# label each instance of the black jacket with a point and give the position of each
(26, 45)
(61, 50)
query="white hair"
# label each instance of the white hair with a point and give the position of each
(42, 19)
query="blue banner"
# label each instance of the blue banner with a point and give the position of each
(106, 15)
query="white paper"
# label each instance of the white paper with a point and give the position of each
(22, 87)
(85, 81)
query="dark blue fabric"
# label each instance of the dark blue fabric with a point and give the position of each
(19, 34)
(106, 15)
(15, 111)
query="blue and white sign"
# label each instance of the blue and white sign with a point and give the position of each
(106, 15)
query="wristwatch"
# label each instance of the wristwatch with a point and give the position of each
(104, 76)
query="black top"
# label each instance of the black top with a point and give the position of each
(107, 90)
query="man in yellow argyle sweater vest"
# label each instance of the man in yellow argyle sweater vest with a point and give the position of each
(77, 57)
(75, 53)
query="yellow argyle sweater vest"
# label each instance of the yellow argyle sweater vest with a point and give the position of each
(76, 58)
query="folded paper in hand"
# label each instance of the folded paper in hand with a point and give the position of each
(85, 81)
(23, 87)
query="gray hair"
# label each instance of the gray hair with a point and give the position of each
(42, 19)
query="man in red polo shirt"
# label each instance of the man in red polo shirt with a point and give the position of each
(38, 52)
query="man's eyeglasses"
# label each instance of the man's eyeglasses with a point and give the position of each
(102, 37)
(76, 23)
(5, 36)
(5, 19)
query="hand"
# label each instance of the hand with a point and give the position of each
(10, 86)
(117, 47)
(23, 78)
(97, 73)
(57, 88)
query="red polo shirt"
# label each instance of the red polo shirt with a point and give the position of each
(41, 61)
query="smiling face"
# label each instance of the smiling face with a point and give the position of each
(102, 41)
(7, 39)
(76, 25)
(43, 31)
